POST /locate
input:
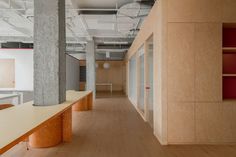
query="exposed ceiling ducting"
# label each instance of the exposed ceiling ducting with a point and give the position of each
(112, 24)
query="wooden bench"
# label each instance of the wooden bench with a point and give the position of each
(105, 84)
(45, 126)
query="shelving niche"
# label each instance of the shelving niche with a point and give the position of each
(229, 61)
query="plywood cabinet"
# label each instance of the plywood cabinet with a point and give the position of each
(208, 62)
(180, 62)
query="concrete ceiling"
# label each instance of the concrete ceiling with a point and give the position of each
(115, 21)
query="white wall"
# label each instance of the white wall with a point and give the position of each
(23, 67)
(72, 73)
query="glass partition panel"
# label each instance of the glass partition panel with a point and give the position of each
(150, 81)
(132, 79)
(141, 79)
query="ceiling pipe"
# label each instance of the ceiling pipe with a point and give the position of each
(26, 1)
(116, 42)
(85, 28)
(103, 9)
(111, 50)
(114, 22)
(136, 27)
(93, 9)
(17, 28)
(72, 32)
(12, 7)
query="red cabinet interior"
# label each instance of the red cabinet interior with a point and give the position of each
(229, 37)
(229, 63)
(229, 87)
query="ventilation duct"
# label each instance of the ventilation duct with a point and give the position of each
(75, 48)
(134, 14)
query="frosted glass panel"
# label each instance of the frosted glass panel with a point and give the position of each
(141, 80)
(150, 92)
(132, 79)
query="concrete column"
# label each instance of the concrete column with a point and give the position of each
(49, 52)
(90, 68)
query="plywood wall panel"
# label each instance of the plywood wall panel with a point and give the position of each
(181, 123)
(208, 61)
(187, 68)
(195, 11)
(183, 11)
(208, 122)
(180, 62)
(215, 122)
(228, 119)
(115, 75)
(208, 10)
(229, 11)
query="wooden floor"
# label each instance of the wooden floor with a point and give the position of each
(115, 129)
(114, 94)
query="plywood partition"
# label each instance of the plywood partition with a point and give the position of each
(188, 68)
(115, 75)
(195, 114)
(155, 25)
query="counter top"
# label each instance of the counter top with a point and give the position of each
(19, 121)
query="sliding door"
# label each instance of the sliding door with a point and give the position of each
(149, 89)
(141, 83)
(132, 79)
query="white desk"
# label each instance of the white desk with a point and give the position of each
(8, 96)
(18, 122)
(105, 84)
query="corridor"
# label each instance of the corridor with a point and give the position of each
(115, 129)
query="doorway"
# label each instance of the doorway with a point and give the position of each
(141, 81)
(149, 81)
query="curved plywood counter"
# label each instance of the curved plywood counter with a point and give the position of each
(84, 104)
(49, 135)
(19, 122)
(5, 106)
